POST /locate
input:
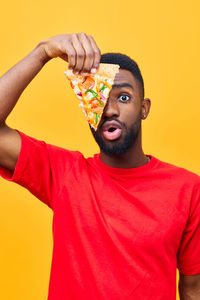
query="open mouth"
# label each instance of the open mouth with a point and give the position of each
(112, 129)
(112, 132)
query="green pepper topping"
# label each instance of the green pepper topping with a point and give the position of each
(103, 87)
(93, 93)
(96, 117)
(100, 103)
(94, 97)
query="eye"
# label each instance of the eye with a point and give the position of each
(124, 98)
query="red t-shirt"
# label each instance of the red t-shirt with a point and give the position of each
(119, 234)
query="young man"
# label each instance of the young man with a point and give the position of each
(123, 221)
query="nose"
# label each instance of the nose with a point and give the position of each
(111, 109)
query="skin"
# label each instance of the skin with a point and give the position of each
(127, 112)
(83, 55)
(189, 287)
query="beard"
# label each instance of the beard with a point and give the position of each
(116, 147)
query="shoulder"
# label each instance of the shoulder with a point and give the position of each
(59, 152)
(178, 173)
(38, 149)
(65, 159)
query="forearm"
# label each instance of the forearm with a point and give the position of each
(79, 50)
(81, 53)
(13, 83)
(189, 293)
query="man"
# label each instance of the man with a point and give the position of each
(123, 221)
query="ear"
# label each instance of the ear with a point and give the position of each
(146, 104)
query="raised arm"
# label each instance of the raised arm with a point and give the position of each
(83, 56)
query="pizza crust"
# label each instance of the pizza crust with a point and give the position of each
(105, 70)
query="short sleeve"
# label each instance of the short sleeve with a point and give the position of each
(188, 259)
(40, 168)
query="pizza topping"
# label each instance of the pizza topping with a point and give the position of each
(95, 95)
(88, 83)
(100, 103)
(93, 92)
(97, 109)
(102, 96)
(96, 117)
(71, 83)
(103, 87)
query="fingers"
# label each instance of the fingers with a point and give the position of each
(71, 56)
(97, 52)
(87, 55)
(92, 53)
(80, 50)
(80, 54)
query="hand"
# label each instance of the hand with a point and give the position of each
(78, 49)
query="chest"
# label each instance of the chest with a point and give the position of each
(142, 213)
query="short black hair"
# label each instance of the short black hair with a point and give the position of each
(125, 62)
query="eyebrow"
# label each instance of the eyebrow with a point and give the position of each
(122, 85)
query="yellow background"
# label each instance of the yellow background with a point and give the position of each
(163, 37)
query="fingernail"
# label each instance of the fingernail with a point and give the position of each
(84, 74)
(75, 72)
(93, 70)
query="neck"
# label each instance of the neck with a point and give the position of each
(133, 158)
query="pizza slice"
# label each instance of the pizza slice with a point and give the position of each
(93, 90)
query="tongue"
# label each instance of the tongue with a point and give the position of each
(112, 135)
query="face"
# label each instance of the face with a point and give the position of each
(120, 124)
